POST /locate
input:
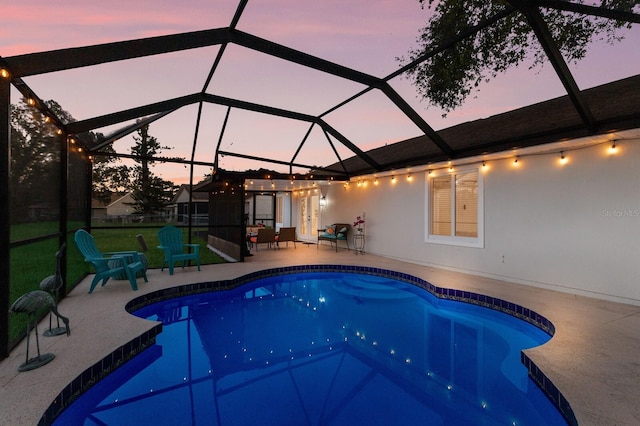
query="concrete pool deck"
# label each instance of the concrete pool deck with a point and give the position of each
(594, 357)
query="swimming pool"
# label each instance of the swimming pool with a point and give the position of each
(324, 348)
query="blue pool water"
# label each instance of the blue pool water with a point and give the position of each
(323, 349)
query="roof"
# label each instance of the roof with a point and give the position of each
(195, 196)
(615, 106)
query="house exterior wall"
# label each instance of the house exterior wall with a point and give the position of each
(573, 227)
(121, 207)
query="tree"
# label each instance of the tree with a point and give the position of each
(151, 194)
(108, 176)
(35, 161)
(447, 78)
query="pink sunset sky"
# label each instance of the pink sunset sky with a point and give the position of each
(364, 35)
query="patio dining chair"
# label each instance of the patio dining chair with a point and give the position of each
(116, 265)
(175, 250)
(264, 236)
(286, 235)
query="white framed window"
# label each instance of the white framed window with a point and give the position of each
(455, 207)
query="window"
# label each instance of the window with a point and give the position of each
(454, 208)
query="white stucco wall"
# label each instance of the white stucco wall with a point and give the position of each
(574, 228)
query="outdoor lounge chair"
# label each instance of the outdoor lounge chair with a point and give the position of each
(286, 235)
(117, 265)
(175, 250)
(264, 236)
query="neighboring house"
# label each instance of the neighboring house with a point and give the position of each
(122, 206)
(99, 209)
(117, 207)
(199, 206)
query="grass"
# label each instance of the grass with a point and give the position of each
(125, 239)
(31, 263)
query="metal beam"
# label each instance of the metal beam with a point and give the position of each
(66, 59)
(120, 133)
(417, 119)
(216, 62)
(224, 126)
(539, 27)
(131, 114)
(618, 15)
(250, 106)
(335, 151)
(291, 55)
(176, 160)
(5, 241)
(304, 139)
(346, 142)
(266, 160)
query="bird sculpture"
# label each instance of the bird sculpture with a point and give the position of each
(51, 285)
(33, 304)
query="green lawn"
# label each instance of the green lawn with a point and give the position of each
(125, 239)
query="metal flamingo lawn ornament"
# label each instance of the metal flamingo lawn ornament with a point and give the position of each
(51, 285)
(32, 304)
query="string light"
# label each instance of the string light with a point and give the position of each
(563, 159)
(4, 73)
(482, 165)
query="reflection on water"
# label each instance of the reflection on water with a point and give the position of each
(325, 349)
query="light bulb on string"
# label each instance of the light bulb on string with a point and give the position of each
(563, 159)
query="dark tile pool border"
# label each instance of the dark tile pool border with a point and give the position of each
(112, 361)
(97, 372)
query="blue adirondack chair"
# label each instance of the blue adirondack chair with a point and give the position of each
(175, 250)
(112, 264)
